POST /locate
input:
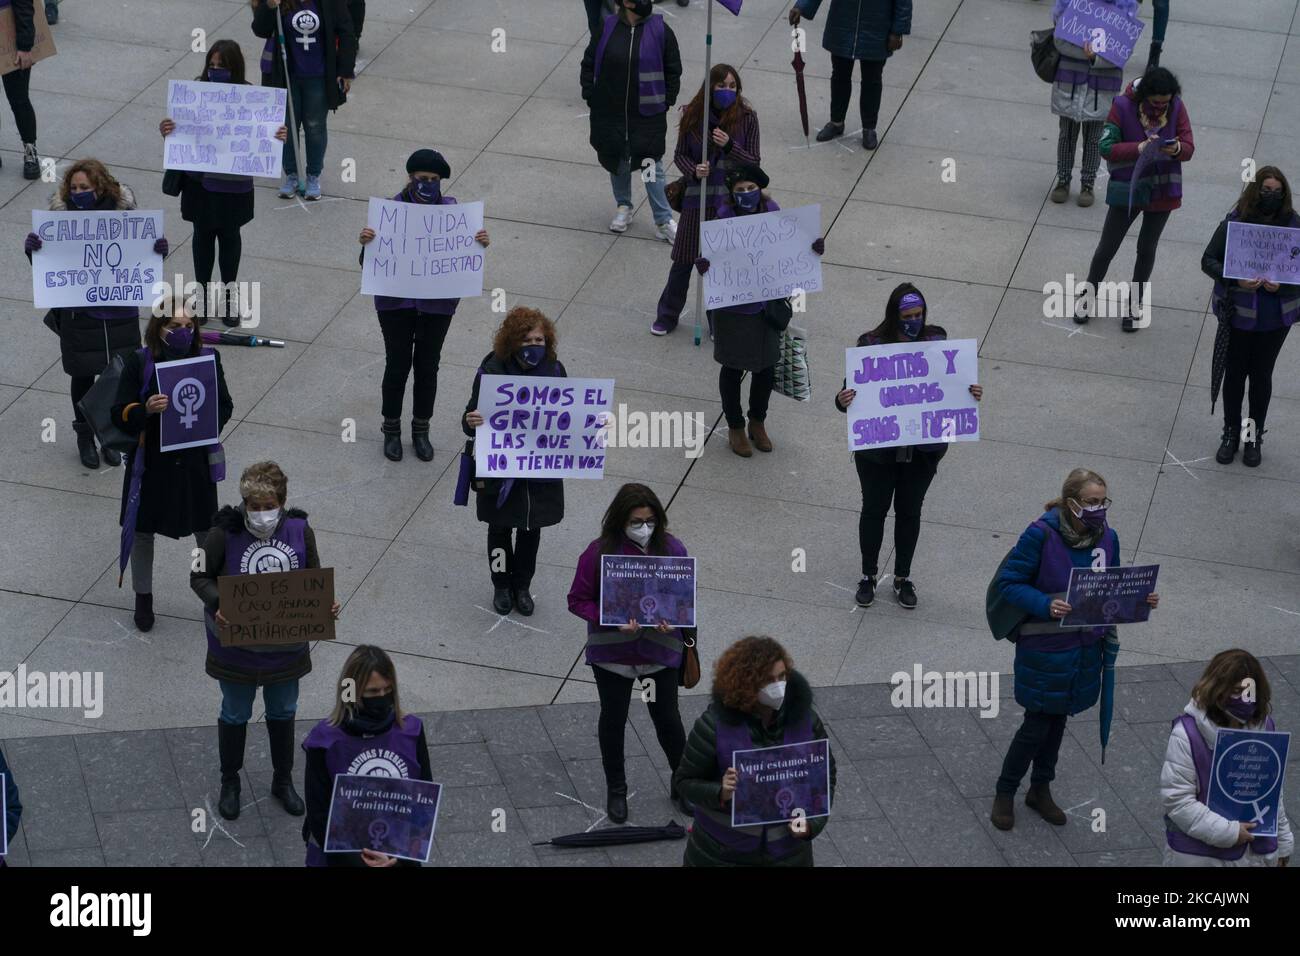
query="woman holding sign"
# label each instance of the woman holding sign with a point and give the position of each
(1058, 671)
(90, 337)
(1232, 694)
(759, 700)
(899, 475)
(260, 535)
(367, 734)
(178, 489)
(635, 523)
(516, 509)
(1257, 313)
(414, 329)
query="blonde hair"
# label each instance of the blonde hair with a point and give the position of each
(264, 479)
(365, 660)
(1074, 484)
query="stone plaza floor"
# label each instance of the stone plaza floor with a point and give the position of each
(509, 701)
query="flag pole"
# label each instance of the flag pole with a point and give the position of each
(704, 158)
(300, 162)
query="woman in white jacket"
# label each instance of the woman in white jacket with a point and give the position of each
(1232, 694)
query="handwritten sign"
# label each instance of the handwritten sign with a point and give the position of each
(423, 251)
(779, 784)
(760, 257)
(1262, 252)
(224, 128)
(96, 258)
(190, 418)
(912, 393)
(1246, 780)
(42, 49)
(391, 815)
(539, 427)
(647, 588)
(1112, 32)
(276, 607)
(1110, 596)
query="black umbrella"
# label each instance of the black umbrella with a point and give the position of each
(616, 836)
(1219, 362)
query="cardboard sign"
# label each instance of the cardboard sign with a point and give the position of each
(1110, 596)
(190, 418)
(42, 49)
(96, 258)
(276, 607)
(779, 784)
(1246, 776)
(541, 427)
(912, 393)
(761, 256)
(423, 251)
(1112, 32)
(647, 588)
(389, 815)
(224, 128)
(1262, 252)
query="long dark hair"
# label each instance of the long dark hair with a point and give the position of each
(888, 331)
(232, 59)
(164, 308)
(1157, 81)
(693, 114)
(630, 497)
(1222, 679)
(1249, 201)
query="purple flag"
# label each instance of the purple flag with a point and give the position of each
(190, 419)
(778, 784)
(391, 815)
(648, 589)
(732, 5)
(1145, 159)
(1109, 596)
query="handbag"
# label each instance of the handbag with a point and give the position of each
(791, 376)
(173, 182)
(676, 192)
(53, 320)
(97, 407)
(688, 675)
(1043, 54)
(778, 313)
(465, 476)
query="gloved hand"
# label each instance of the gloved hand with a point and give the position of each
(701, 265)
(32, 243)
(161, 247)
(819, 246)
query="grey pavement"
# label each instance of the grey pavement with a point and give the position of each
(410, 566)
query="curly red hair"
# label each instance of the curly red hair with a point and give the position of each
(518, 322)
(745, 668)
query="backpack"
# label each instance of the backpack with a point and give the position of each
(1003, 617)
(1043, 54)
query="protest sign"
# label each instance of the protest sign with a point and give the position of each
(778, 784)
(539, 427)
(392, 815)
(1112, 32)
(42, 48)
(224, 128)
(1262, 252)
(273, 605)
(647, 588)
(760, 257)
(912, 393)
(96, 259)
(1246, 780)
(423, 251)
(190, 418)
(1109, 596)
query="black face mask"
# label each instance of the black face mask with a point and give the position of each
(1270, 201)
(643, 8)
(377, 708)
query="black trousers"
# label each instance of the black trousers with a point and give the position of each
(1118, 220)
(411, 341)
(615, 701)
(905, 484)
(760, 390)
(1038, 741)
(357, 12)
(842, 89)
(16, 92)
(206, 255)
(1251, 355)
(80, 386)
(520, 555)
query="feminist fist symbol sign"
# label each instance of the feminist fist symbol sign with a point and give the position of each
(188, 396)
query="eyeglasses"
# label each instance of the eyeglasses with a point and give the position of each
(638, 523)
(1104, 503)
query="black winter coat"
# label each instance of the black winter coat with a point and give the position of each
(177, 494)
(336, 33)
(24, 25)
(532, 503)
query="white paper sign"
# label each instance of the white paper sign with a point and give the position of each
(224, 128)
(912, 393)
(423, 251)
(760, 257)
(96, 259)
(539, 427)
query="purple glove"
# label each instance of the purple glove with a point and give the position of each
(819, 246)
(701, 265)
(161, 247)
(32, 243)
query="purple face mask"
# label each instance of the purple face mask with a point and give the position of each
(177, 342)
(1243, 710)
(1094, 517)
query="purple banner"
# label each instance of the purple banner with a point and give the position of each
(778, 784)
(1262, 252)
(389, 815)
(732, 5)
(1246, 783)
(1112, 596)
(647, 588)
(190, 418)
(1112, 32)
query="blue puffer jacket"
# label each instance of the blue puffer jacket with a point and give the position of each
(859, 29)
(1052, 681)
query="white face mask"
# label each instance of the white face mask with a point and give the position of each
(261, 523)
(642, 534)
(773, 694)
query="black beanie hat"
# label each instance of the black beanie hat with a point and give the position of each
(742, 173)
(428, 161)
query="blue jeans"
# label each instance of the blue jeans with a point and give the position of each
(1160, 20)
(622, 183)
(309, 109)
(237, 700)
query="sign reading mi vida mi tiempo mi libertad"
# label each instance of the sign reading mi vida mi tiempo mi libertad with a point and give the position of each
(761, 257)
(423, 251)
(541, 427)
(1248, 767)
(1271, 253)
(647, 588)
(912, 393)
(224, 128)
(779, 784)
(391, 815)
(276, 607)
(95, 259)
(1112, 32)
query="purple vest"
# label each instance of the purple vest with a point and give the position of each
(1246, 303)
(285, 550)
(609, 645)
(1054, 566)
(387, 303)
(717, 823)
(652, 90)
(1161, 180)
(1180, 841)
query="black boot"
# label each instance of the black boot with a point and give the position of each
(111, 458)
(420, 439)
(392, 429)
(501, 600)
(830, 131)
(144, 611)
(282, 744)
(524, 601)
(1039, 798)
(616, 803)
(230, 747)
(1227, 446)
(86, 445)
(1153, 57)
(1250, 452)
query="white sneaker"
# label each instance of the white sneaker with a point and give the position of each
(667, 231)
(621, 218)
